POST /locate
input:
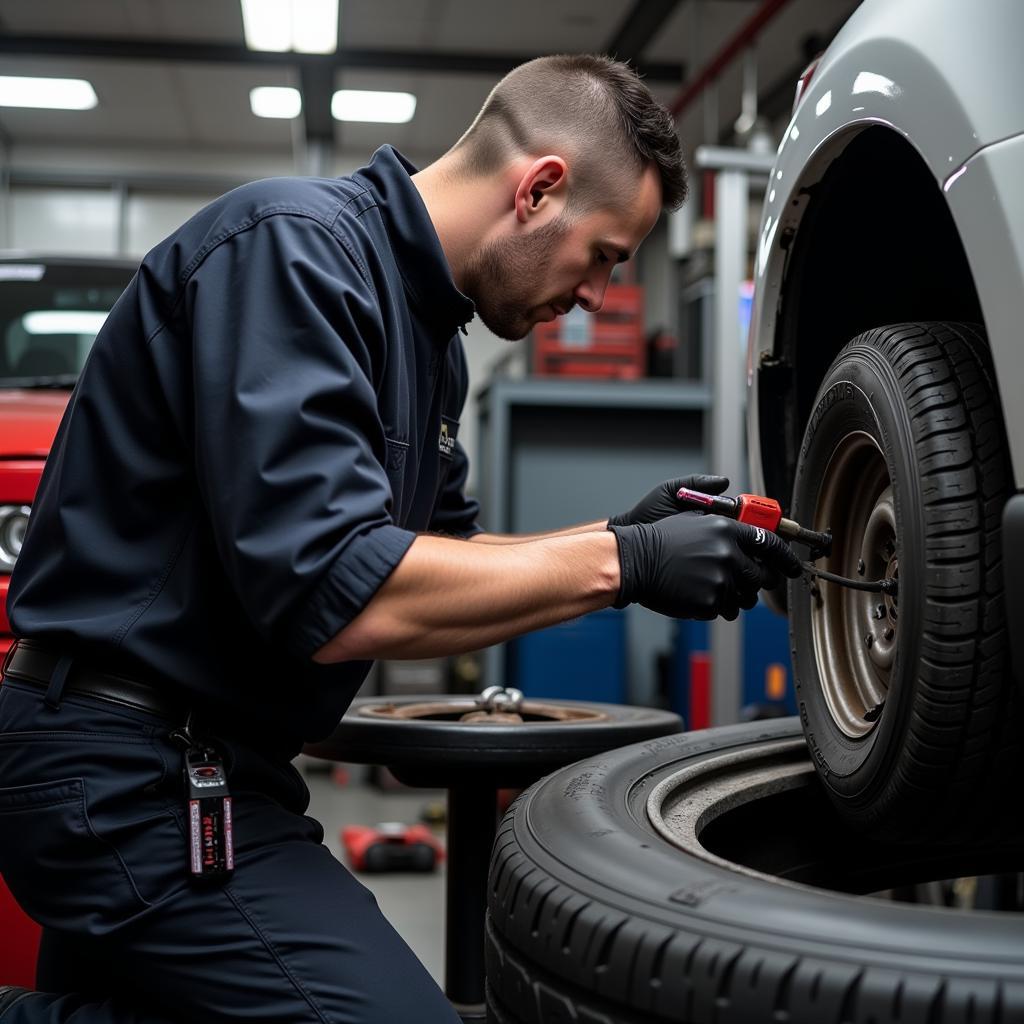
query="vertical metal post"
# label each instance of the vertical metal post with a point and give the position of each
(499, 459)
(6, 200)
(121, 198)
(727, 413)
(734, 168)
(472, 826)
(6, 209)
(318, 156)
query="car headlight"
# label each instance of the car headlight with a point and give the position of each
(13, 523)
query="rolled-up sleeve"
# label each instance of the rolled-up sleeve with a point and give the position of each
(289, 446)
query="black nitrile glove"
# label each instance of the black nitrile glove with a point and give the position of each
(662, 501)
(698, 567)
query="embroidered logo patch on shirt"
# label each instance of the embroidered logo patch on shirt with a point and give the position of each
(446, 440)
(445, 443)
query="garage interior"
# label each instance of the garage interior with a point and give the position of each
(563, 427)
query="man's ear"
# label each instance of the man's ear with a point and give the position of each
(545, 180)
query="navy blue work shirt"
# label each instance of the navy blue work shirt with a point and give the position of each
(266, 418)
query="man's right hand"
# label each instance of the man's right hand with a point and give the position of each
(699, 567)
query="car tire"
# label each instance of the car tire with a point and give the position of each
(616, 896)
(907, 702)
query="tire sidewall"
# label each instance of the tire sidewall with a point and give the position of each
(591, 908)
(860, 393)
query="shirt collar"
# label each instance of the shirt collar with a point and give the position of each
(421, 260)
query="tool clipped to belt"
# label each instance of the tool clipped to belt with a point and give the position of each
(766, 513)
(211, 848)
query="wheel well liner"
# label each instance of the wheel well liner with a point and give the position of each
(877, 245)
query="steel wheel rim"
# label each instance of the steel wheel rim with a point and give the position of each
(856, 633)
(533, 712)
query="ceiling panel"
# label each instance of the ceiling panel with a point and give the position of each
(214, 21)
(216, 98)
(136, 101)
(147, 103)
(201, 107)
(445, 105)
(485, 26)
(695, 31)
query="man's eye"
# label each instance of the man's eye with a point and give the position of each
(601, 257)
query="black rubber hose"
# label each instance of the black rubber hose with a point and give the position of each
(889, 586)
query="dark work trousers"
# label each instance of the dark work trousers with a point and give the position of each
(92, 845)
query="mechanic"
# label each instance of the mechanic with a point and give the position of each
(257, 488)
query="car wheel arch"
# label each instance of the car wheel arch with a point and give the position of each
(840, 277)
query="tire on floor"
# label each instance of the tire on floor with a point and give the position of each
(613, 900)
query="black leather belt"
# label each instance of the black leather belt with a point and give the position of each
(30, 662)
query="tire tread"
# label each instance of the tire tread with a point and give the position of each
(966, 729)
(631, 970)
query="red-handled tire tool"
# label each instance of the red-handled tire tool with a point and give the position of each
(766, 513)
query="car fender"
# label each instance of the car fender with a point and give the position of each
(987, 204)
(911, 68)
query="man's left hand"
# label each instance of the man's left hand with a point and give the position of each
(662, 501)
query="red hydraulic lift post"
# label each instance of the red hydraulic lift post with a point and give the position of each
(746, 35)
(748, 32)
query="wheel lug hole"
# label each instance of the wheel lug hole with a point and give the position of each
(869, 640)
(889, 633)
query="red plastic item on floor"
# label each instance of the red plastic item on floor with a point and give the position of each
(391, 846)
(700, 691)
(19, 943)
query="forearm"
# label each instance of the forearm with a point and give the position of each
(524, 538)
(447, 596)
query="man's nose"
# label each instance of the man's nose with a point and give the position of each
(590, 294)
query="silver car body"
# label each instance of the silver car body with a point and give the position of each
(947, 77)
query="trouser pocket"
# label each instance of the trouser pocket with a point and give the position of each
(62, 873)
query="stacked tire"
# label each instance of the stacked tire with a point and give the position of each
(596, 918)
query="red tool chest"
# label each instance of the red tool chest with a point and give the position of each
(609, 343)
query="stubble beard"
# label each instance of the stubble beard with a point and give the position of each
(507, 277)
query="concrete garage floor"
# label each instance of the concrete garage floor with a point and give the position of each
(413, 903)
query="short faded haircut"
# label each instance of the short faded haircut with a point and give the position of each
(595, 110)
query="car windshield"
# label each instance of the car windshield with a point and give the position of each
(50, 314)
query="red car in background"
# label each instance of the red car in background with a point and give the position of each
(50, 311)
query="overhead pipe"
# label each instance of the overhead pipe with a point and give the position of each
(740, 41)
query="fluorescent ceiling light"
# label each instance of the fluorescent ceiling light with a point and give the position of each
(48, 93)
(384, 107)
(267, 24)
(305, 26)
(22, 271)
(275, 101)
(315, 26)
(63, 321)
